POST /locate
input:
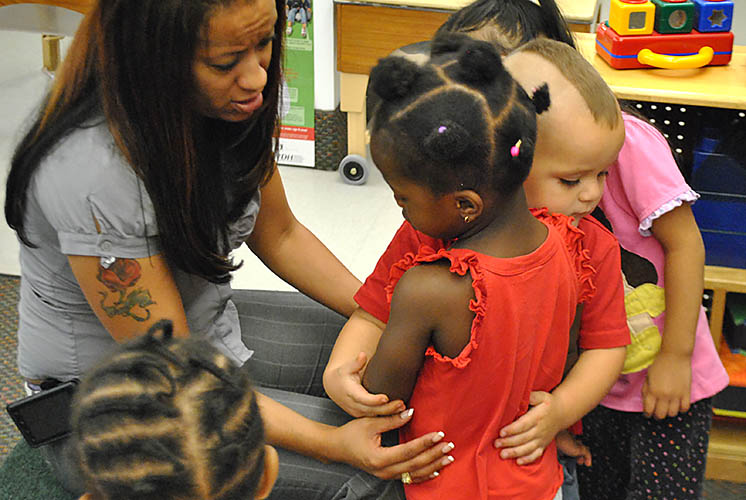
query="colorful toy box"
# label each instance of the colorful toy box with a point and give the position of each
(676, 34)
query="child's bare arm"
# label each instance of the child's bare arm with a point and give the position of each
(401, 350)
(343, 374)
(667, 388)
(584, 387)
(430, 305)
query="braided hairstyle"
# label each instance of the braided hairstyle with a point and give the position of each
(168, 418)
(453, 121)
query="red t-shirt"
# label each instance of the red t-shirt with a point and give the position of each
(603, 320)
(523, 308)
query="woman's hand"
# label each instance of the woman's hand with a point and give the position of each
(345, 382)
(359, 444)
(527, 437)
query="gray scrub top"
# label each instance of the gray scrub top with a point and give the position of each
(85, 177)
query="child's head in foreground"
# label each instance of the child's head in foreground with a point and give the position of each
(452, 130)
(509, 24)
(580, 135)
(166, 418)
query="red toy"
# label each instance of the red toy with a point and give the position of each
(628, 40)
(690, 50)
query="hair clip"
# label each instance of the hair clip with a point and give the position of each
(442, 129)
(516, 149)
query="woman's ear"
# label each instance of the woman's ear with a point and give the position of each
(271, 468)
(469, 203)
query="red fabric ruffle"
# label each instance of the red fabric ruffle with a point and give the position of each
(460, 264)
(580, 255)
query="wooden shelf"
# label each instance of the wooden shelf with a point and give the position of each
(726, 454)
(722, 280)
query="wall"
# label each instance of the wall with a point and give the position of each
(326, 78)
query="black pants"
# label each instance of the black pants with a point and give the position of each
(639, 458)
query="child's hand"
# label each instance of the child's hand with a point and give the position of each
(667, 388)
(527, 437)
(346, 389)
(567, 444)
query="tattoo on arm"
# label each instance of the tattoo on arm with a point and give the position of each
(120, 277)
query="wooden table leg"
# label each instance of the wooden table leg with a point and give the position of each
(352, 89)
(50, 49)
(717, 313)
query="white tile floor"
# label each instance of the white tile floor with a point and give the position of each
(355, 222)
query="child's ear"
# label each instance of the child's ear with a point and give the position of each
(470, 203)
(271, 468)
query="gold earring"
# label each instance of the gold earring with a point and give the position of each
(466, 219)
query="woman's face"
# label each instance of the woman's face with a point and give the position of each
(231, 62)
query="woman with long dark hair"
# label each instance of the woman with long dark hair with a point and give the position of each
(150, 160)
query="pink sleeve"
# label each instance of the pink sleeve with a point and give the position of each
(647, 174)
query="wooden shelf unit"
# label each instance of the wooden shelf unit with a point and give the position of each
(726, 455)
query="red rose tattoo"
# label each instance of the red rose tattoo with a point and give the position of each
(119, 277)
(122, 274)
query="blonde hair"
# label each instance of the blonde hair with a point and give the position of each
(599, 98)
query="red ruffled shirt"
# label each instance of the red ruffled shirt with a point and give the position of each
(516, 347)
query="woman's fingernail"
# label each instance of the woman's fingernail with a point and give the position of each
(447, 460)
(497, 444)
(434, 475)
(407, 413)
(448, 447)
(440, 435)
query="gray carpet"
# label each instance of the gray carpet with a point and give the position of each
(11, 389)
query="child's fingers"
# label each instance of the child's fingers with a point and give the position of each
(648, 402)
(684, 405)
(524, 423)
(365, 404)
(515, 439)
(523, 452)
(390, 408)
(538, 397)
(532, 457)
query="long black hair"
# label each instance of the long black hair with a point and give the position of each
(132, 62)
(513, 22)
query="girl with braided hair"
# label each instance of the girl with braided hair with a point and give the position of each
(454, 139)
(165, 418)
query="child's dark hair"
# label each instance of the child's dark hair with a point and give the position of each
(510, 23)
(166, 418)
(452, 123)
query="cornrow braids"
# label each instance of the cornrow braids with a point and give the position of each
(454, 120)
(166, 418)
